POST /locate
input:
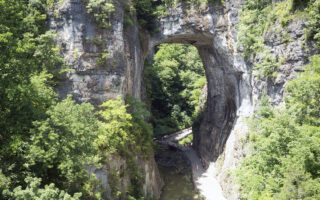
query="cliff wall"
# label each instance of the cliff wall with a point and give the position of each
(233, 88)
(105, 63)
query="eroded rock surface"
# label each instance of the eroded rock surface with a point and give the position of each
(95, 80)
(233, 90)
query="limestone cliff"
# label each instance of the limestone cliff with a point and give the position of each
(233, 90)
(105, 63)
(293, 53)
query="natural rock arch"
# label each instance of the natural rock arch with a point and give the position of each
(208, 30)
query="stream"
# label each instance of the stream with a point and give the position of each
(175, 170)
(181, 181)
(178, 184)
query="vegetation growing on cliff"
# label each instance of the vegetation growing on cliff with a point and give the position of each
(283, 162)
(70, 138)
(101, 10)
(257, 17)
(45, 143)
(148, 11)
(174, 84)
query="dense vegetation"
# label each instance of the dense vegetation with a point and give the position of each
(174, 83)
(284, 151)
(258, 17)
(284, 155)
(101, 10)
(148, 11)
(46, 144)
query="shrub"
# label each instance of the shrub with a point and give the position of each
(283, 162)
(34, 191)
(101, 10)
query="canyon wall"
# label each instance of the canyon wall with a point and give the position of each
(233, 89)
(104, 63)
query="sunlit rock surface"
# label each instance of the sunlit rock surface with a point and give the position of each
(233, 90)
(82, 43)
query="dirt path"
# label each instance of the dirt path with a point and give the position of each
(205, 179)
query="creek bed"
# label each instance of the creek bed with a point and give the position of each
(175, 170)
(178, 184)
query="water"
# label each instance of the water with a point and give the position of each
(178, 185)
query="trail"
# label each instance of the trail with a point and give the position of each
(204, 179)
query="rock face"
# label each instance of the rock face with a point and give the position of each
(105, 63)
(208, 30)
(83, 45)
(293, 53)
(232, 90)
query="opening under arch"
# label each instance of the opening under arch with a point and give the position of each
(215, 123)
(174, 81)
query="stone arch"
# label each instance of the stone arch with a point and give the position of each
(208, 30)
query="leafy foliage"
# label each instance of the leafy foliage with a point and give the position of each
(115, 126)
(174, 84)
(313, 23)
(101, 10)
(258, 16)
(284, 160)
(145, 11)
(304, 94)
(29, 61)
(141, 129)
(33, 191)
(63, 143)
(124, 130)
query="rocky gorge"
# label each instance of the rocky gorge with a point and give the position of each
(233, 88)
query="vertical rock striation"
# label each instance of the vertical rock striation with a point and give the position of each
(105, 63)
(233, 90)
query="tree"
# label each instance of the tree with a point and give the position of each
(174, 84)
(284, 160)
(114, 126)
(63, 144)
(33, 191)
(29, 61)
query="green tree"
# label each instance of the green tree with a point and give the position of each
(304, 94)
(141, 128)
(33, 191)
(29, 61)
(284, 159)
(174, 84)
(63, 144)
(101, 10)
(114, 126)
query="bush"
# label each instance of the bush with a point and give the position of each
(101, 10)
(313, 24)
(34, 191)
(63, 144)
(284, 159)
(114, 126)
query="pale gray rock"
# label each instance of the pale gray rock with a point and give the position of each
(233, 90)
